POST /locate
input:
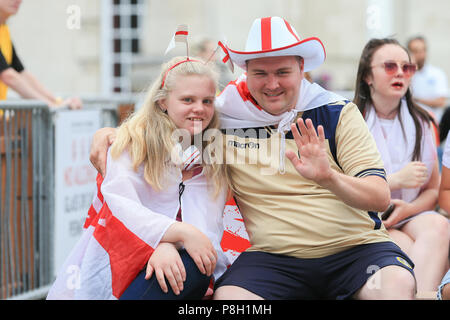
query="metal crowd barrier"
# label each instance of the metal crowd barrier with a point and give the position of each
(26, 191)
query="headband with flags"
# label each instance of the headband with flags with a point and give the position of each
(226, 56)
(170, 68)
(181, 35)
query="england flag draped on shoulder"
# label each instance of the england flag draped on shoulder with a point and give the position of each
(126, 222)
(110, 253)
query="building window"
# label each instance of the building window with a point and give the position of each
(121, 38)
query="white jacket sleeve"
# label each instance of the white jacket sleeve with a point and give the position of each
(127, 195)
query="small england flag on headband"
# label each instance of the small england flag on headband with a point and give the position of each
(226, 56)
(180, 36)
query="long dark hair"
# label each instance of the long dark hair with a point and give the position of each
(362, 90)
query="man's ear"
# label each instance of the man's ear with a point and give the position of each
(301, 63)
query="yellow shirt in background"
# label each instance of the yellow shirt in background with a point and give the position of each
(7, 52)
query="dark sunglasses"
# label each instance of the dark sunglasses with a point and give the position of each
(391, 67)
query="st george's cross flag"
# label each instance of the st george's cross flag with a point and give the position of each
(180, 35)
(115, 246)
(226, 56)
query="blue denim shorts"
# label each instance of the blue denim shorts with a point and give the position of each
(338, 276)
(445, 280)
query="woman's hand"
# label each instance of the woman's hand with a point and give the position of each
(166, 263)
(200, 248)
(73, 103)
(411, 176)
(196, 243)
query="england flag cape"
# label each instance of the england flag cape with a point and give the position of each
(238, 109)
(125, 223)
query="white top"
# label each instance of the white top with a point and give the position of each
(132, 218)
(396, 149)
(386, 126)
(149, 213)
(430, 83)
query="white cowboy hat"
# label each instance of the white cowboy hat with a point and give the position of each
(273, 37)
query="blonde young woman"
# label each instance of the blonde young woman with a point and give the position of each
(404, 136)
(156, 233)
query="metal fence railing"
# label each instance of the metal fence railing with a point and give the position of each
(27, 191)
(24, 197)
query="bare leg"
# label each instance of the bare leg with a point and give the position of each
(234, 293)
(430, 249)
(402, 240)
(388, 283)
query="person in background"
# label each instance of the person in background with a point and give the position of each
(444, 287)
(12, 72)
(444, 189)
(206, 49)
(444, 203)
(405, 139)
(429, 85)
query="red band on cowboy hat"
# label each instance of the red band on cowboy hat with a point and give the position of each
(266, 34)
(274, 37)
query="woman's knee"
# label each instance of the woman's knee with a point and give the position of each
(430, 227)
(437, 228)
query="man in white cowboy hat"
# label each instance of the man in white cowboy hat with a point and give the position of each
(312, 221)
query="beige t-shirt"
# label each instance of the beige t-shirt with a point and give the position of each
(288, 214)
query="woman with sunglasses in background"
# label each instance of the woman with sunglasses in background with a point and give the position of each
(404, 136)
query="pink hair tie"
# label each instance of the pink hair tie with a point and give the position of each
(176, 64)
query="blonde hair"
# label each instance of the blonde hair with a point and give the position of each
(147, 133)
